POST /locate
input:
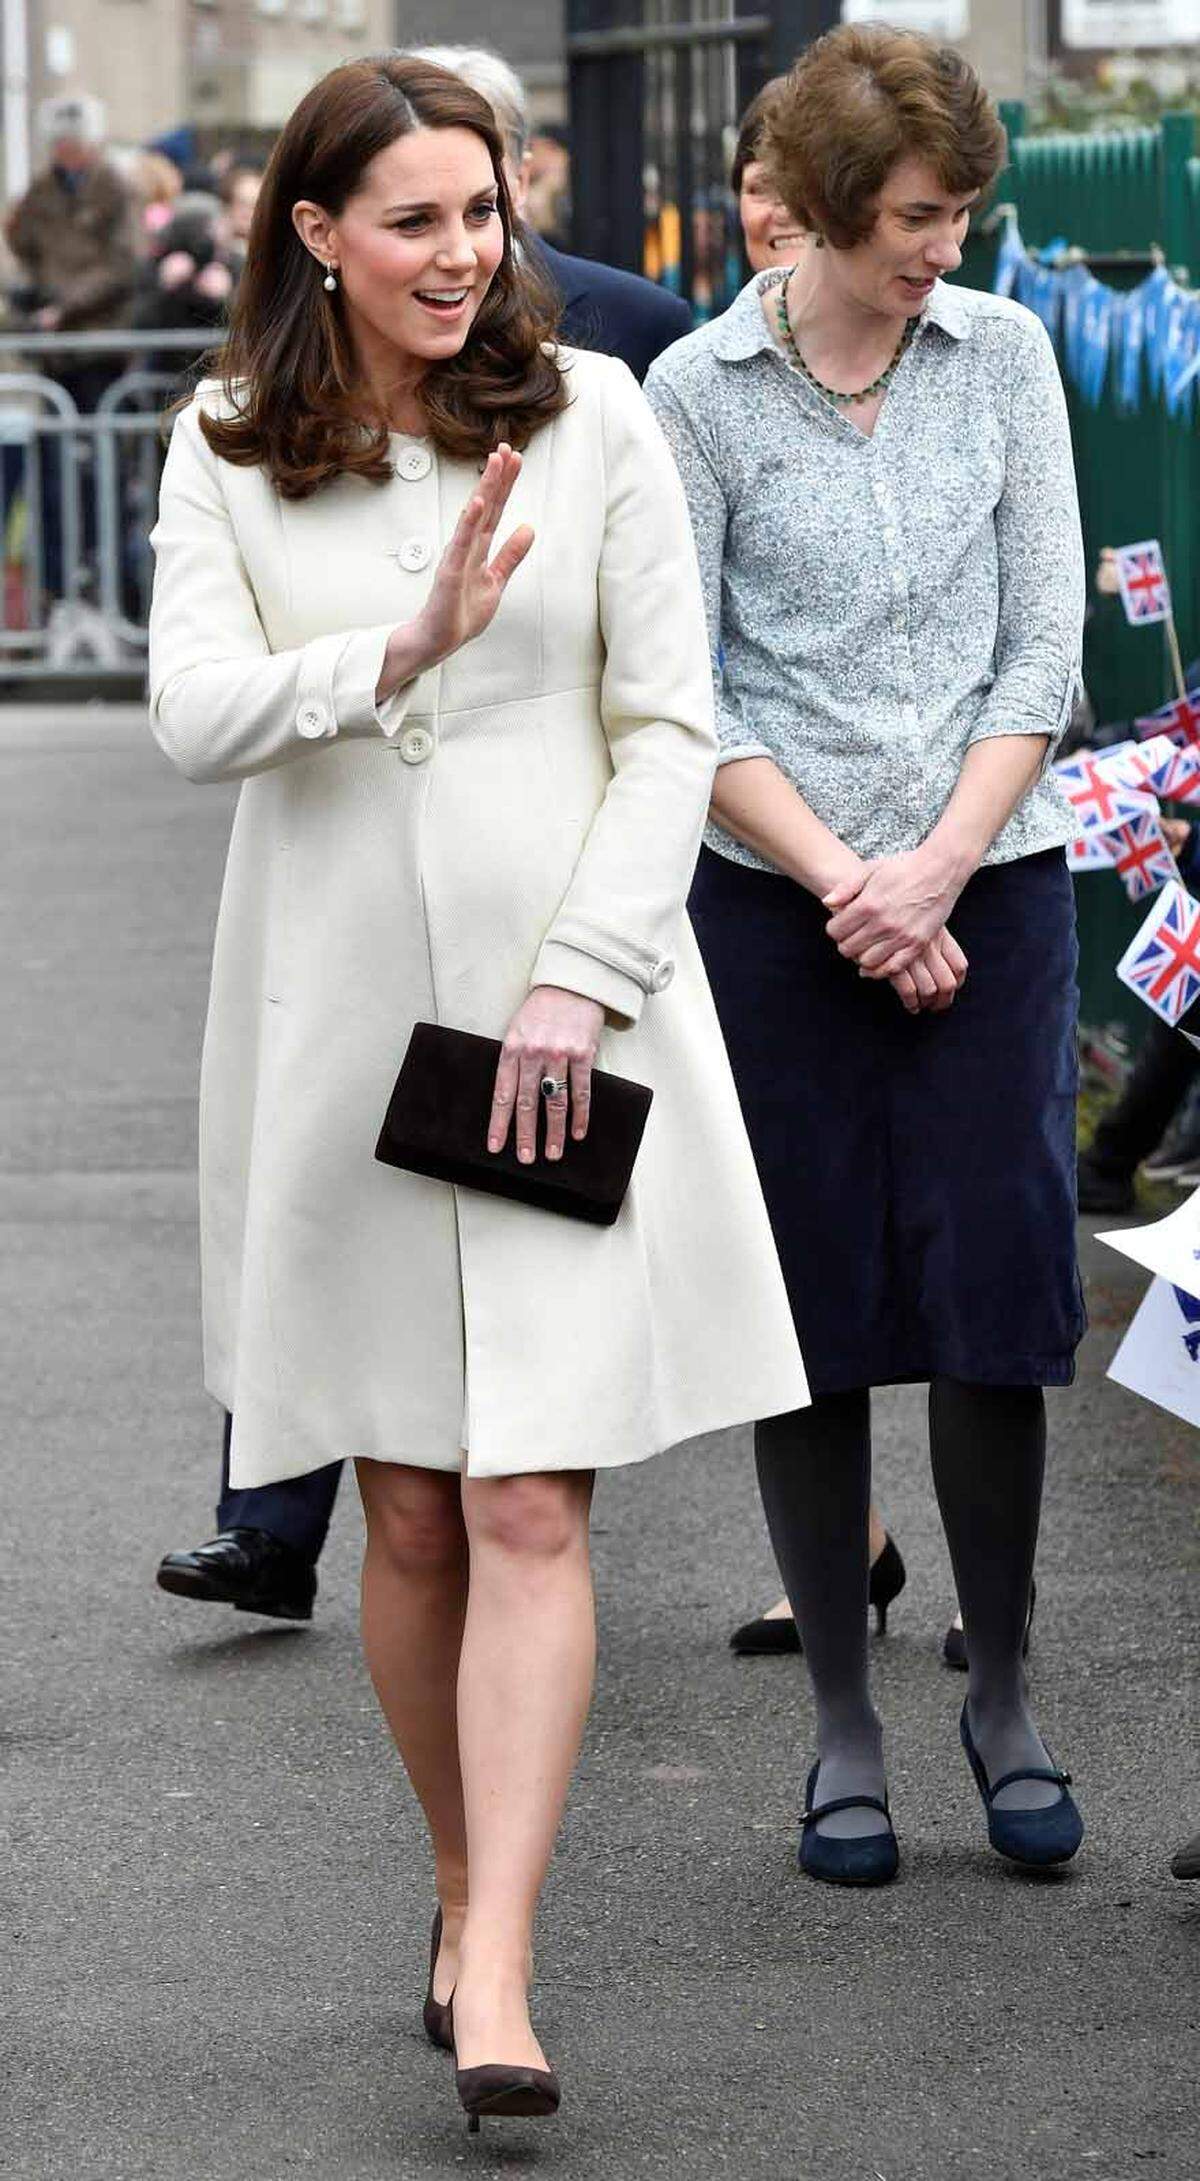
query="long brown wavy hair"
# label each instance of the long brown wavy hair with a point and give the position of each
(287, 369)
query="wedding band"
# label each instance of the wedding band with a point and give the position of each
(553, 1086)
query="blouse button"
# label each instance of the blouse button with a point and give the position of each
(414, 463)
(662, 976)
(414, 555)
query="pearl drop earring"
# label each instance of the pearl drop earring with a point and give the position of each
(329, 283)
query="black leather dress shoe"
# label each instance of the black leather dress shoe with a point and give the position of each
(249, 1569)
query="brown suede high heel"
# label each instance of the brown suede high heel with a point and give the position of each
(530, 2093)
(438, 2019)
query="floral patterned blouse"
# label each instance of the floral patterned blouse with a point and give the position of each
(878, 604)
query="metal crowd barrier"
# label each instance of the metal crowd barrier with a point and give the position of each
(79, 490)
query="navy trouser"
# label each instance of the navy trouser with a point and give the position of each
(297, 1511)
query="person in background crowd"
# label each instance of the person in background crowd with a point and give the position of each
(1164, 1074)
(884, 904)
(189, 279)
(773, 236)
(239, 187)
(153, 182)
(73, 236)
(547, 177)
(1152, 1124)
(263, 1558)
(526, 867)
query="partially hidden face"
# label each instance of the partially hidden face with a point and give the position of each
(772, 234)
(418, 244)
(243, 197)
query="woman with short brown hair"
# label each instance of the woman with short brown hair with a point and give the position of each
(473, 784)
(880, 478)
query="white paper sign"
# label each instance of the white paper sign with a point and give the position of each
(1104, 24)
(1169, 1248)
(937, 18)
(1160, 1354)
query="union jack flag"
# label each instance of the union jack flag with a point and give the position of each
(1097, 793)
(1138, 764)
(1178, 780)
(1145, 592)
(1180, 720)
(1142, 857)
(1162, 965)
(1091, 852)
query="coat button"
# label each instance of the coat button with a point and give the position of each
(416, 745)
(662, 976)
(414, 555)
(414, 463)
(313, 721)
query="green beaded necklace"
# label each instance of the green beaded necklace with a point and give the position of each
(843, 401)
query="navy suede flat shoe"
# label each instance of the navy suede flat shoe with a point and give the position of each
(1036, 1838)
(869, 1861)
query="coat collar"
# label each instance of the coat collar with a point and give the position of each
(743, 331)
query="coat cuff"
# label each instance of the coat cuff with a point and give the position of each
(621, 997)
(338, 679)
(356, 678)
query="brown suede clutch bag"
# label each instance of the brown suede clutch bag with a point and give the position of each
(436, 1124)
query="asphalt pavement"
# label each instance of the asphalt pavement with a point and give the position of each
(215, 1894)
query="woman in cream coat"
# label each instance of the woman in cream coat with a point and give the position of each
(474, 790)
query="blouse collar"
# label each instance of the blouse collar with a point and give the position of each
(742, 331)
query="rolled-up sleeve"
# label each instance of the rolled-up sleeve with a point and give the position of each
(700, 475)
(612, 937)
(1042, 585)
(223, 705)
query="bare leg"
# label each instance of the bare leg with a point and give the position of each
(414, 1596)
(876, 1534)
(525, 1682)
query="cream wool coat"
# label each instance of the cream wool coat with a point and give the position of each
(528, 813)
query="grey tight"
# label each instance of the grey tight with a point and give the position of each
(988, 1447)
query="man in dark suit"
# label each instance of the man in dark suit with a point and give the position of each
(264, 1556)
(618, 313)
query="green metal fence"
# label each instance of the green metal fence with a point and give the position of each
(1123, 198)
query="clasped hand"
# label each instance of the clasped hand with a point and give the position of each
(890, 920)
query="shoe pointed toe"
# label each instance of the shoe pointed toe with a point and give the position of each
(767, 1636)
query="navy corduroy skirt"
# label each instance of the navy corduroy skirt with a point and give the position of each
(919, 1170)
